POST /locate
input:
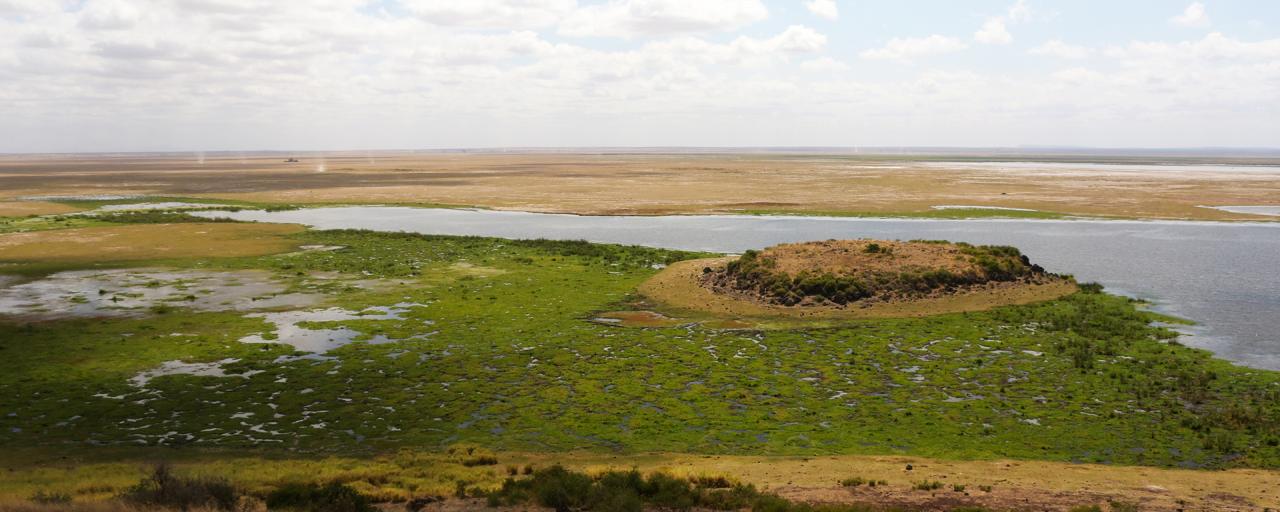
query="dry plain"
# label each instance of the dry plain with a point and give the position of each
(655, 183)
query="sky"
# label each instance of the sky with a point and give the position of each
(209, 75)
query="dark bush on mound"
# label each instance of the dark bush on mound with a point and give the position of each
(757, 272)
(164, 489)
(312, 497)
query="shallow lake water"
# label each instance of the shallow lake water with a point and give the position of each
(1273, 211)
(1224, 275)
(294, 328)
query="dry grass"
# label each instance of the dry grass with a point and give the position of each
(849, 257)
(146, 242)
(650, 183)
(93, 506)
(1015, 485)
(679, 289)
(25, 208)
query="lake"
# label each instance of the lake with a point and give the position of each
(1226, 276)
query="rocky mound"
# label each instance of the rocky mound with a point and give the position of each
(840, 272)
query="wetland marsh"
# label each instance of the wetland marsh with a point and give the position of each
(354, 343)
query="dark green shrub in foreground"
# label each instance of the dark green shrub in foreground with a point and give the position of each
(312, 497)
(50, 498)
(164, 489)
(565, 490)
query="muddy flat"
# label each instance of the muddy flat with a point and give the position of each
(672, 183)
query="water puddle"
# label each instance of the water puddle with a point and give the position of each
(1271, 211)
(136, 292)
(637, 319)
(297, 329)
(976, 207)
(213, 369)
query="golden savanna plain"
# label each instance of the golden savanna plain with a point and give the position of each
(656, 183)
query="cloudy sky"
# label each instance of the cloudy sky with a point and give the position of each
(162, 75)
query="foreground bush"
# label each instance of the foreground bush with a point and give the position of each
(312, 497)
(565, 490)
(164, 489)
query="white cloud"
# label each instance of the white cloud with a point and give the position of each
(1061, 50)
(503, 14)
(742, 51)
(798, 39)
(993, 32)
(1193, 16)
(823, 8)
(26, 7)
(1019, 12)
(911, 48)
(1212, 47)
(637, 18)
(824, 65)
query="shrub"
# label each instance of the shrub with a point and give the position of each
(480, 460)
(471, 456)
(853, 482)
(711, 482)
(1123, 506)
(1090, 288)
(563, 490)
(313, 497)
(164, 489)
(927, 485)
(857, 481)
(50, 498)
